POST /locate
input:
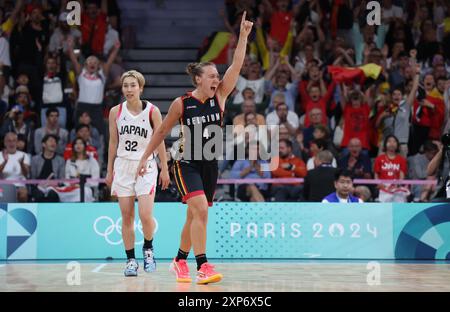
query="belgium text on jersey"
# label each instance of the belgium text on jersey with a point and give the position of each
(212, 142)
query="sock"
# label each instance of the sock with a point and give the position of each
(182, 255)
(130, 254)
(200, 260)
(148, 244)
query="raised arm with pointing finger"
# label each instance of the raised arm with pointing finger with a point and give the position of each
(224, 89)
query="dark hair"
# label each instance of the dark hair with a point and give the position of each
(399, 87)
(249, 113)
(51, 110)
(324, 129)
(84, 112)
(321, 143)
(343, 173)
(73, 157)
(196, 69)
(281, 104)
(81, 126)
(48, 136)
(386, 140)
(287, 142)
(441, 78)
(429, 146)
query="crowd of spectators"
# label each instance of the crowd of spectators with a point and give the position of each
(54, 82)
(384, 127)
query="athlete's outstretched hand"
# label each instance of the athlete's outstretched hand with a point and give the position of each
(246, 26)
(164, 179)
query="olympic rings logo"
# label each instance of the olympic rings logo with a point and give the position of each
(111, 227)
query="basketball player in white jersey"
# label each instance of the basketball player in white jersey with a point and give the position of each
(131, 125)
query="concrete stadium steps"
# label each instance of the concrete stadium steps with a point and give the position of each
(167, 39)
(160, 54)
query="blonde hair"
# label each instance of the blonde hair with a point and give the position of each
(134, 74)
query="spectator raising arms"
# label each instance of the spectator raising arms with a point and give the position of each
(92, 81)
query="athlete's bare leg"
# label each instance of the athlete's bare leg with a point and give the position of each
(145, 204)
(199, 208)
(186, 242)
(127, 209)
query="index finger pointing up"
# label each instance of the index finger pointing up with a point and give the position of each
(243, 17)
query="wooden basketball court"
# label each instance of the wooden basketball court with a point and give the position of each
(261, 276)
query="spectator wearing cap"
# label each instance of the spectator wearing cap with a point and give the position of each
(23, 99)
(15, 122)
(28, 48)
(48, 165)
(343, 183)
(84, 132)
(319, 182)
(51, 127)
(61, 34)
(14, 165)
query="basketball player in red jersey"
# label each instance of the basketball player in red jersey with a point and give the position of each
(195, 177)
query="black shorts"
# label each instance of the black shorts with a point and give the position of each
(194, 178)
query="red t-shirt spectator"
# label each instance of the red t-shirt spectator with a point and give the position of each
(90, 150)
(437, 117)
(422, 117)
(389, 169)
(94, 31)
(356, 124)
(321, 104)
(280, 22)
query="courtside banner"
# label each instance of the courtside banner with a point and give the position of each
(235, 231)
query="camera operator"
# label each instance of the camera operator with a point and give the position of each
(439, 166)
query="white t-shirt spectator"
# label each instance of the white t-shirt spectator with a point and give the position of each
(256, 85)
(87, 166)
(112, 36)
(57, 39)
(92, 87)
(52, 90)
(273, 119)
(4, 52)
(12, 170)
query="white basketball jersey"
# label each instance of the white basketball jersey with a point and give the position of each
(134, 132)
